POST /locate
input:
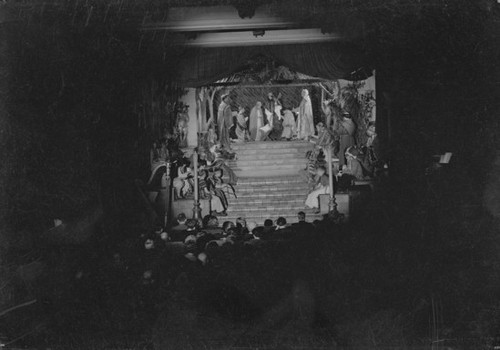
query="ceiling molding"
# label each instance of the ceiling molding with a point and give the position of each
(270, 37)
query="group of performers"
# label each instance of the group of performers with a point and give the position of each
(268, 121)
(272, 121)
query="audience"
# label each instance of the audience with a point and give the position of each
(302, 225)
(181, 223)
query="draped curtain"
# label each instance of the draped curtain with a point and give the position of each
(202, 66)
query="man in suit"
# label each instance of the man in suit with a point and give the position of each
(302, 226)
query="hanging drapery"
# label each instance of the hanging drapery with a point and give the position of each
(202, 66)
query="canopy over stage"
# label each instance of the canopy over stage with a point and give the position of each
(324, 61)
(217, 41)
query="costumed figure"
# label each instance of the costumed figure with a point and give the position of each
(289, 126)
(207, 190)
(371, 151)
(256, 121)
(182, 125)
(241, 126)
(219, 184)
(322, 186)
(305, 123)
(345, 128)
(224, 121)
(326, 106)
(273, 109)
(181, 183)
(217, 160)
(323, 142)
(353, 170)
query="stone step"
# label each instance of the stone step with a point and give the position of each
(268, 209)
(289, 154)
(270, 145)
(264, 173)
(250, 152)
(267, 162)
(269, 197)
(258, 181)
(271, 190)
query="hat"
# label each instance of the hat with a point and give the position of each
(224, 95)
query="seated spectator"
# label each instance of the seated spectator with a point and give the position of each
(211, 226)
(280, 223)
(251, 226)
(181, 223)
(226, 226)
(302, 224)
(268, 229)
(191, 229)
(321, 187)
(241, 225)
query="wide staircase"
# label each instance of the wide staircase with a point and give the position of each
(269, 183)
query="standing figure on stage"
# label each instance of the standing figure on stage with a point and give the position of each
(182, 125)
(224, 121)
(345, 128)
(256, 120)
(241, 126)
(289, 126)
(305, 125)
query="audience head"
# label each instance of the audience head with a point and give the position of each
(258, 104)
(301, 216)
(149, 243)
(181, 218)
(241, 221)
(225, 97)
(268, 223)
(251, 226)
(191, 224)
(320, 126)
(281, 222)
(164, 236)
(190, 239)
(227, 225)
(212, 221)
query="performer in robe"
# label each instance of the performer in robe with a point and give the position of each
(289, 126)
(224, 121)
(345, 128)
(256, 120)
(305, 123)
(241, 126)
(322, 186)
(277, 130)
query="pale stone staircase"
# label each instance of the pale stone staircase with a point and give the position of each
(269, 183)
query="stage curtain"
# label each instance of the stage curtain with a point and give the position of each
(203, 66)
